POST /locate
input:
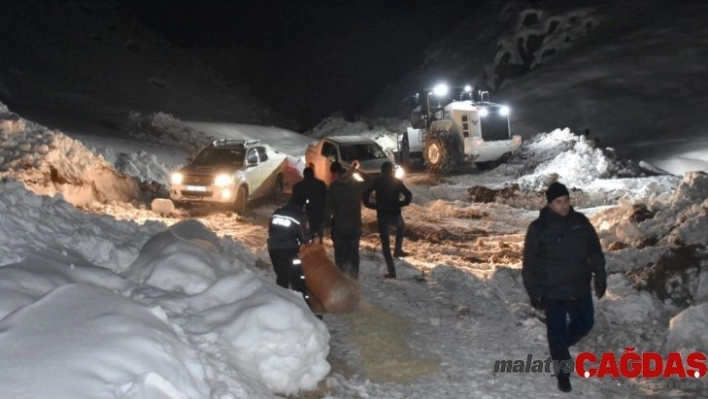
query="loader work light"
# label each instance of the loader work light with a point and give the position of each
(483, 112)
(504, 111)
(468, 88)
(440, 90)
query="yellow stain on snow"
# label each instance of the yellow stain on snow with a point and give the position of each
(380, 337)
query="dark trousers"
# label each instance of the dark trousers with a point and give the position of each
(385, 223)
(316, 225)
(288, 274)
(561, 334)
(346, 251)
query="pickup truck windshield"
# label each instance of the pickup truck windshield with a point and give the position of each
(361, 152)
(220, 156)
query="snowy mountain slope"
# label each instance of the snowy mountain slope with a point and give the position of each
(629, 73)
(95, 62)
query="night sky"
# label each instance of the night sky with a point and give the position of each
(306, 59)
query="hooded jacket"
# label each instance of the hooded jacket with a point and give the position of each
(561, 254)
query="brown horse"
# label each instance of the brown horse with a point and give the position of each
(327, 286)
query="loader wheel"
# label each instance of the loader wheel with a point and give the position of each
(441, 152)
(241, 200)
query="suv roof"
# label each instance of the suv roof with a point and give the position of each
(349, 139)
(233, 143)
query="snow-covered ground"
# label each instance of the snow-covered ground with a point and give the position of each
(104, 297)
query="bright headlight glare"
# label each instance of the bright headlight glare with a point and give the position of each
(468, 88)
(440, 90)
(483, 112)
(504, 111)
(223, 180)
(399, 172)
(177, 178)
(357, 177)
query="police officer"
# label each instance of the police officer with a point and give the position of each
(288, 229)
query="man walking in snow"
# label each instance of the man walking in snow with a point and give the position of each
(388, 205)
(343, 214)
(314, 191)
(288, 230)
(562, 255)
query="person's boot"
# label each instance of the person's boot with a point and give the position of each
(400, 254)
(564, 383)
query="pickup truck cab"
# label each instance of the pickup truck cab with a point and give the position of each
(347, 149)
(230, 172)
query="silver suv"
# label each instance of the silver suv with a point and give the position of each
(229, 172)
(345, 150)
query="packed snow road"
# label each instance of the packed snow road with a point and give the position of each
(457, 307)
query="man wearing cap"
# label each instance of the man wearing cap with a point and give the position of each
(562, 256)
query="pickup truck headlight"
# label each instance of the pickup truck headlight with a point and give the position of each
(223, 180)
(176, 178)
(399, 173)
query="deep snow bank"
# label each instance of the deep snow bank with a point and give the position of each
(48, 162)
(142, 310)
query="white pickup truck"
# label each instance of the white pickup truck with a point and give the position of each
(230, 172)
(347, 149)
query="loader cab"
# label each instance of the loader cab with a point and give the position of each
(429, 104)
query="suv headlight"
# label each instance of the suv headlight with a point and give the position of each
(223, 180)
(399, 172)
(176, 178)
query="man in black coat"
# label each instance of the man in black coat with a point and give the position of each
(388, 205)
(562, 255)
(314, 191)
(288, 230)
(343, 215)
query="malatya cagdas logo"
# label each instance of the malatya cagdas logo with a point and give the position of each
(646, 365)
(630, 364)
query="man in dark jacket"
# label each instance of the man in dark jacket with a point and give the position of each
(388, 205)
(314, 191)
(343, 214)
(288, 230)
(562, 254)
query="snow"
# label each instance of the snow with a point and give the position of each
(183, 319)
(130, 302)
(106, 290)
(684, 333)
